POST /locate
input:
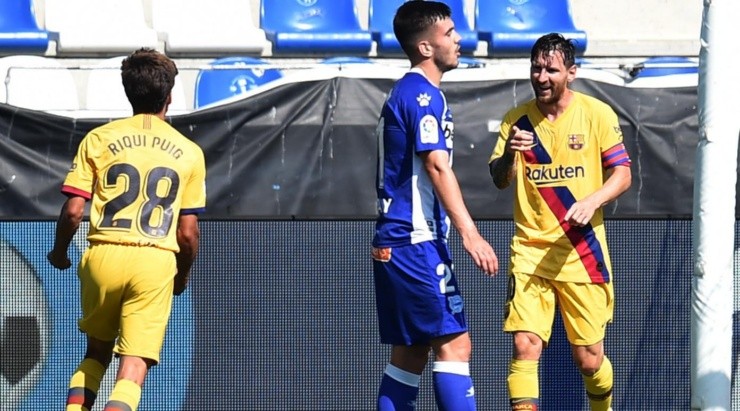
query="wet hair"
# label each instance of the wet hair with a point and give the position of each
(413, 18)
(148, 77)
(555, 42)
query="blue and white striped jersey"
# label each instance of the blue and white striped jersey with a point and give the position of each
(415, 118)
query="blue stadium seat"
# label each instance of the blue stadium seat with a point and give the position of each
(19, 32)
(510, 27)
(380, 24)
(232, 76)
(310, 27)
(665, 65)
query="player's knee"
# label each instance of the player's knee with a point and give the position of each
(527, 346)
(588, 365)
(588, 359)
(411, 358)
(453, 348)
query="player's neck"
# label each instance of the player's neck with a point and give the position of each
(553, 110)
(430, 71)
(161, 115)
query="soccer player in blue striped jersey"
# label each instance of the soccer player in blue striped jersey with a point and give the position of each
(418, 298)
(564, 155)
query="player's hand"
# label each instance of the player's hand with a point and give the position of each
(482, 253)
(181, 283)
(519, 140)
(58, 259)
(580, 213)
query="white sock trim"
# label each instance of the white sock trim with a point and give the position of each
(452, 367)
(402, 376)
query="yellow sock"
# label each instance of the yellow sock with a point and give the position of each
(84, 385)
(599, 387)
(523, 383)
(125, 396)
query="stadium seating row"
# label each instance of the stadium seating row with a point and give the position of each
(286, 27)
(105, 30)
(44, 83)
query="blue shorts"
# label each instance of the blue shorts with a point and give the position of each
(416, 294)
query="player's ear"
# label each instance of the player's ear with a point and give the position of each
(572, 72)
(425, 48)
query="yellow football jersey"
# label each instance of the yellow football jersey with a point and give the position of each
(140, 174)
(567, 163)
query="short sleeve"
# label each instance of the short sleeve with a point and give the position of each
(429, 118)
(194, 195)
(613, 151)
(503, 135)
(81, 175)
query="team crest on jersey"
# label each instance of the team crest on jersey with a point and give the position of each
(576, 141)
(423, 99)
(428, 129)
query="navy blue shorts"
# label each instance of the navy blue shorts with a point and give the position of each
(416, 294)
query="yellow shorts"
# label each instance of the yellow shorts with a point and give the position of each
(585, 308)
(126, 294)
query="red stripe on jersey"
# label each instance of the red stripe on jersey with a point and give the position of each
(578, 236)
(560, 199)
(74, 191)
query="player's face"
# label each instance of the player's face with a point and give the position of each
(550, 77)
(445, 42)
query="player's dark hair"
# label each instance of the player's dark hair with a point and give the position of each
(413, 18)
(555, 42)
(148, 78)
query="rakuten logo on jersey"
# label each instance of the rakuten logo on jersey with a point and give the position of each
(553, 174)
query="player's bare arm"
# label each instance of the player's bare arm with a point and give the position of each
(618, 181)
(188, 237)
(67, 225)
(503, 169)
(447, 188)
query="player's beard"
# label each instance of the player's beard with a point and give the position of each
(447, 64)
(550, 96)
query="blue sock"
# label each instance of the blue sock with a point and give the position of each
(398, 390)
(453, 387)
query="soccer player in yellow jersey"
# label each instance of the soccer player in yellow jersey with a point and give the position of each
(564, 154)
(146, 185)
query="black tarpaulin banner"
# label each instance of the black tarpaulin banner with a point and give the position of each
(307, 149)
